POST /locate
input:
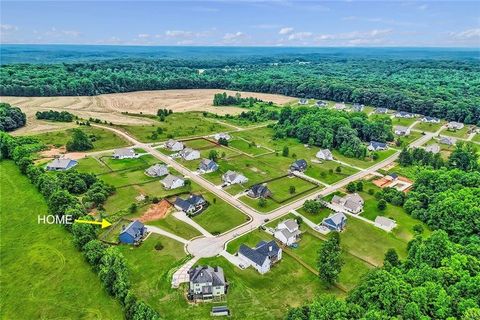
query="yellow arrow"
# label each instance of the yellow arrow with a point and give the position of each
(104, 223)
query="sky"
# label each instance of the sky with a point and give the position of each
(243, 23)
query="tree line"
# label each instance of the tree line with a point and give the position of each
(222, 99)
(62, 116)
(326, 128)
(11, 118)
(440, 88)
(73, 193)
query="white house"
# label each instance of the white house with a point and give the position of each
(232, 177)
(61, 164)
(385, 223)
(287, 232)
(174, 145)
(375, 146)
(157, 170)
(324, 154)
(189, 154)
(433, 148)
(403, 114)
(453, 125)
(340, 106)
(448, 140)
(402, 131)
(352, 203)
(124, 153)
(225, 136)
(262, 257)
(430, 119)
(172, 182)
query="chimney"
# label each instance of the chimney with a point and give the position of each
(269, 248)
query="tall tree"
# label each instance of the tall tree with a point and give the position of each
(329, 260)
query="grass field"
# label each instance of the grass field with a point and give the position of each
(43, 275)
(405, 122)
(280, 188)
(173, 225)
(476, 137)
(428, 127)
(326, 171)
(406, 140)
(104, 139)
(91, 165)
(122, 164)
(462, 133)
(315, 217)
(363, 163)
(177, 125)
(246, 147)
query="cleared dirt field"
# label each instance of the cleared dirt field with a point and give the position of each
(109, 106)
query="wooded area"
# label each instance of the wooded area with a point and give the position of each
(441, 88)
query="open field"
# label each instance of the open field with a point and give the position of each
(428, 127)
(476, 138)
(363, 163)
(405, 122)
(109, 106)
(43, 275)
(462, 133)
(406, 140)
(326, 171)
(280, 188)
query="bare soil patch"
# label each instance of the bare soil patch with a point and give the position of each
(156, 211)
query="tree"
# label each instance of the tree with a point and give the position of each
(360, 185)
(285, 151)
(11, 118)
(391, 258)
(79, 142)
(338, 169)
(83, 233)
(351, 187)
(93, 252)
(329, 260)
(223, 141)
(213, 155)
(312, 206)
(133, 208)
(464, 157)
(291, 189)
(113, 273)
(262, 202)
(382, 204)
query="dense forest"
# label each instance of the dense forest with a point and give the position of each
(63, 116)
(333, 129)
(443, 88)
(11, 118)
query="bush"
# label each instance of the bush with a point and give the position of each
(11, 118)
(159, 246)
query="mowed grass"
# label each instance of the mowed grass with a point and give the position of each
(405, 122)
(104, 139)
(122, 164)
(246, 147)
(364, 163)
(177, 125)
(175, 226)
(91, 165)
(315, 217)
(327, 171)
(127, 177)
(280, 188)
(476, 138)
(43, 275)
(428, 127)
(406, 140)
(462, 133)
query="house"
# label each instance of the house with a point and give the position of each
(402, 131)
(225, 136)
(259, 191)
(430, 119)
(381, 110)
(324, 154)
(340, 106)
(453, 125)
(172, 182)
(124, 153)
(335, 222)
(375, 146)
(61, 164)
(299, 165)
(403, 114)
(391, 176)
(174, 145)
(207, 165)
(192, 205)
(433, 148)
(448, 140)
(133, 233)
(232, 177)
(321, 103)
(262, 257)
(287, 232)
(357, 107)
(302, 101)
(157, 170)
(206, 283)
(385, 223)
(189, 154)
(352, 203)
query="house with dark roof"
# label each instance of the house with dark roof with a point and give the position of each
(193, 205)
(157, 170)
(207, 165)
(287, 232)
(206, 283)
(335, 222)
(133, 233)
(302, 101)
(232, 177)
(262, 257)
(352, 203)
(430, 119)
(375, 146)
(61, 164)
(321, 103)
(381, 110)
(404, 114)
(357, 107)
(299, 165)
(259, 191)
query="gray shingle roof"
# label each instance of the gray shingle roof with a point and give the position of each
(207, 274)
(62, 163)
(124, 152)
(134, 228)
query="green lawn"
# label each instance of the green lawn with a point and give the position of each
(43, 275)
(104, 139)
(280, 188)
(462, 133)
(476, 137)
(173, 225)
(122, 164)
(406, 140)
(405, 122)
(91, 165)
(177, 125)
(428, 127)
(219, 216)
(127, 177)
(363, 163)
(326, 171)
(246, 147)
(315, 217)
(199, 144)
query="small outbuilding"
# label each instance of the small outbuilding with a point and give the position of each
(385, 223)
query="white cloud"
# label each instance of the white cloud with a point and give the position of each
(8, 27)
(300, 36)
(179, 34)
(143, 35)
(71, 33)
(235, 37)
(355, 35)
(467, 34)
(422, 7)
(285, 30)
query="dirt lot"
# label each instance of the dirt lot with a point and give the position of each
(156, 211)
(109, 106)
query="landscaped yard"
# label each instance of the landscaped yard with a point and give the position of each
(404, 122)
(43, 275)
(103, 139)
(315, 217)
(121, 164)
(175, 226)
(428, 127)
(462, 133)
(406, 140)
(177, 125)
(280, 188)
(91, 165)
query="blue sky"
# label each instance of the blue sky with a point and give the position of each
(243, 23)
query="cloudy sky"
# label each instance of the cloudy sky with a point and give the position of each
(243, 23)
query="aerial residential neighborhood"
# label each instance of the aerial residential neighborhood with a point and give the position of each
(260, 160)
